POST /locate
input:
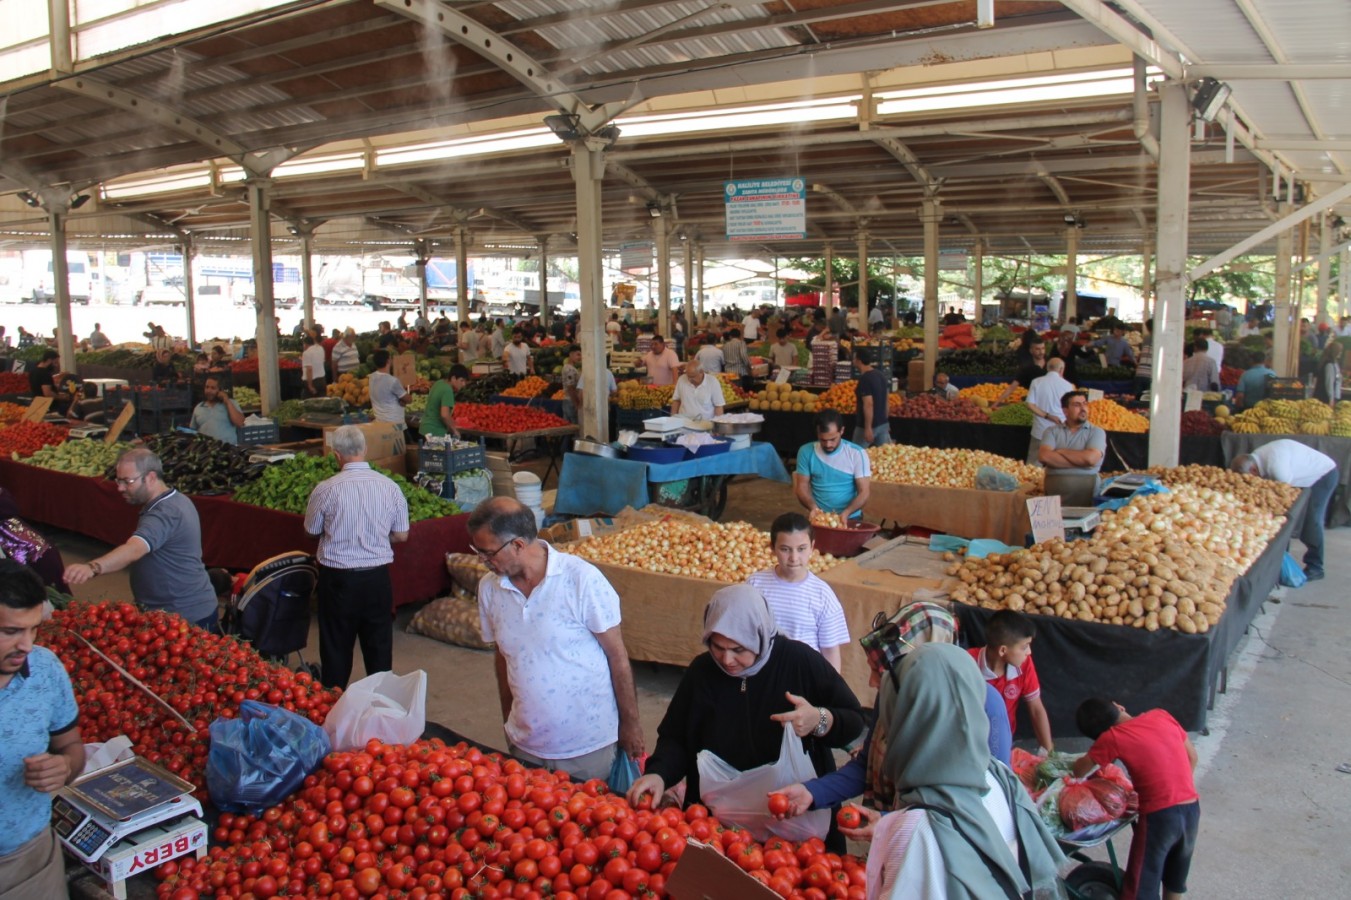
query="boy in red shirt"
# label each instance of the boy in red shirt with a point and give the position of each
(1006, 664)
(1160, 759)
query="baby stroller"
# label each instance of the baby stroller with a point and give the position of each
(270, 607)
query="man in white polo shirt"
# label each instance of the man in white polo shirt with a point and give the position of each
(568, 699)
(1043, 398)
(1302, 467)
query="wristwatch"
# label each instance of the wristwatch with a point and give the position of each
(820, 729)
(95, 567)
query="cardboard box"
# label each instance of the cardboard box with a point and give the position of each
(383, 439)
(914, 377)
(405, 368)
(396, 463)
(576, 530)
(705, 874)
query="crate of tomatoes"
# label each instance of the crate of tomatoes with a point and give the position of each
(502, 418)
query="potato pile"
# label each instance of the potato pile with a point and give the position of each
(1261, 495)
(929, 466)
(1161, 561)
(719, 551)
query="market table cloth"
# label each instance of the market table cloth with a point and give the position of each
(965, 512)
(1339, 448)
(234, 535)
(1140, 669)
(593, 484)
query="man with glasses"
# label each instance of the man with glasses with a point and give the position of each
(164, 552)
(563, 676)
(833, 475)
(357, 515)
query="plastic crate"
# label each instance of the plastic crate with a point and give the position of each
(451, 461)
(155, 399)
(253, 435)
(1285, 389)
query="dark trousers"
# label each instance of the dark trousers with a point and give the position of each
(1311, 530)
(355, 604)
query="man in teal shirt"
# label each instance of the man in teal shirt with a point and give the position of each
(832, 475)
(438, 418)
(1252, 387)
(217, 415)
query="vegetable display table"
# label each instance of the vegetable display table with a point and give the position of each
(967, 513)
(552, 438)
(1142, 669)
(234, 535)
(664, 614)
(593, 484)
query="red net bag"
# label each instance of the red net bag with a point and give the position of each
(1115, 800)
(1024, 765)
(1079, 806)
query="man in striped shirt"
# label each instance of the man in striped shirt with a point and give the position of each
(357, 515)
(804, 606)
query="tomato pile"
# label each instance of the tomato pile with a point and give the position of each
(429, 820)
(930, 406)
(13, 383)
(503, 418)
(23, 439)
(202, 676)
(251, 364)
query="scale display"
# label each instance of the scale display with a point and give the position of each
(106, 806)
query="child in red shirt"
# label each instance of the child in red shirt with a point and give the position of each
(1006, 664)
(1160, 758)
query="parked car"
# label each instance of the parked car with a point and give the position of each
(161, 294)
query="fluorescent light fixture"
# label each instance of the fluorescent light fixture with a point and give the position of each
(740, 117)
(320, 165)
(1069, 86)
(195, 178)
(479, 145)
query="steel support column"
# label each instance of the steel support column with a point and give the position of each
(186, 248)
(1165, 404)
(828, 291)
(65, 334)
(1147, 279)
(931, 213)
(260, 234)
(1343, 281)
(307, 276)
(978, 277)
(688, 306)
(588, 170)
(462, 287)
(661, 237)
(545, 314)
(1071, 274)
(1286, 317)
(863, 275)
(699, 272)
(422, 253)
(1324, 267)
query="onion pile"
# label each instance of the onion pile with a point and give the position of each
(828, 519)
(931, 467)
(718, 551)
(1161, 561)
(1262, 495)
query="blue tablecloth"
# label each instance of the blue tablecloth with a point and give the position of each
(592, 484)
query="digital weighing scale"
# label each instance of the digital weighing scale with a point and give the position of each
(127, 818)
(270, 456)
(1125, 485)
(1079, 521)
(89, 431)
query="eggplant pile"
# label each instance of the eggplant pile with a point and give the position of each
(197, 464)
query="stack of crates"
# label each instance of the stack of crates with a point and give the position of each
(825, 354)
(157, 408)
(1285, 389)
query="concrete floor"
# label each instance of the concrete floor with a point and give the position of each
(1274, 821)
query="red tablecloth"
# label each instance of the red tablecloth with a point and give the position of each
(234, 535)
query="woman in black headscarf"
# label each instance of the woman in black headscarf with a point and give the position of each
(735, 699)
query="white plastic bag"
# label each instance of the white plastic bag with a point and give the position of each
(97, 755)
(392, 708)
(742, 797)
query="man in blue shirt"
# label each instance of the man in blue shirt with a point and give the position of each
(832, 475)
(217, 416)
(1252, 387)
(40, 745)
(1118, 351)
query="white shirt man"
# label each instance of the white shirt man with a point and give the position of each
(388, 395)
(346, 357)
(1043, 398)
(562, 669)
(750, 327)
(697, 395)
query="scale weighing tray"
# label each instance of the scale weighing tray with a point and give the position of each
(1125, 485)
(1079, 521)
(101, 808)
(270, 456)
(89, 431)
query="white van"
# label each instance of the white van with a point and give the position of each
(77, 276)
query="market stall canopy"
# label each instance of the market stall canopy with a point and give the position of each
(383, 121)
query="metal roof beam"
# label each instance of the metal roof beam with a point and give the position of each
(155, 112)
(1270, 72)
(1040, 167)
(1327, 201)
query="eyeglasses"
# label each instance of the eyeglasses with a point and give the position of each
(489, 554)
(128, 481)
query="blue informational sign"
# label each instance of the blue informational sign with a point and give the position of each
(766, 209)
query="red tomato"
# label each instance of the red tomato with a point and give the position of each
(778, 804)
(849, 817)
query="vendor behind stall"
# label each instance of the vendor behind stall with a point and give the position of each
(438, 419)
(661, 362)
(218, 415)
(697, 396)
(833, 475)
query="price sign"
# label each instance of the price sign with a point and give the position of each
(37, 410)
(1047, 520)
(119, 424)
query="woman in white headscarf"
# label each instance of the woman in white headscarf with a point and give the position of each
(965, 827)
(734, 699)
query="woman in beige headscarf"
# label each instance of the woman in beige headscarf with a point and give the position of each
(734, 699)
